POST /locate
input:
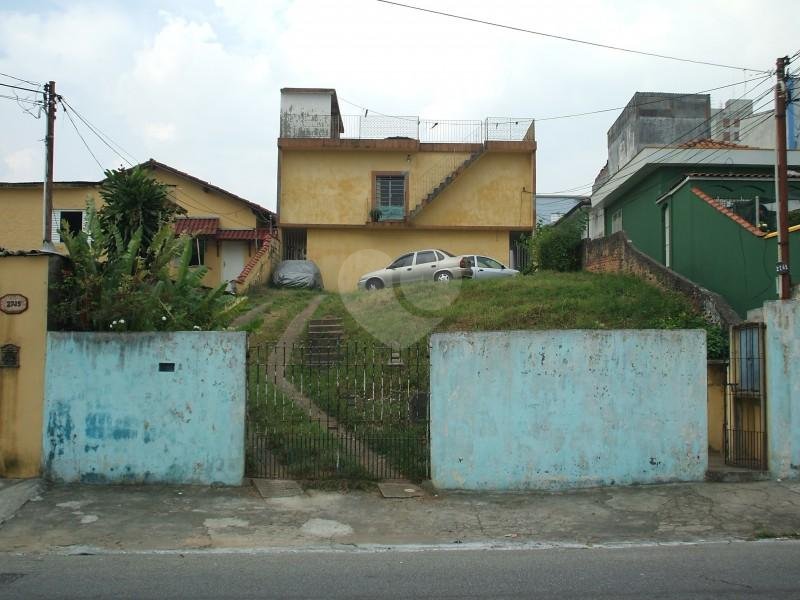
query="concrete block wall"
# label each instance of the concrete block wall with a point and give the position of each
(565, 409)
(782, 349)
(145, 407)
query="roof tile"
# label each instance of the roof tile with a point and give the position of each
(196, 226)
(714, 204)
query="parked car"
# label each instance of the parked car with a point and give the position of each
(422, 265)
(484, 267)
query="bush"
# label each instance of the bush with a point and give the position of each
(557, 247)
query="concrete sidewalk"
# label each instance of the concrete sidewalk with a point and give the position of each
(97, 519)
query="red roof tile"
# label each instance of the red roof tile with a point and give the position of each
(712, 145)
(242, 234)
(713, 203)
(196, 226)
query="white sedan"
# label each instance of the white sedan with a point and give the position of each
(483, 267)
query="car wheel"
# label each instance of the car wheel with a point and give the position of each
(374, 284)
(443, 276)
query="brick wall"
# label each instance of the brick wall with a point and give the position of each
(616, 254)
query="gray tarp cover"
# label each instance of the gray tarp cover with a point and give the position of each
(298, 274)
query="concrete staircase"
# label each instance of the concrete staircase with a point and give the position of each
(444, 183)
(324, 341)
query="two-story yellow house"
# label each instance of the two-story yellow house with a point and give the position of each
(231, 235)
(356, 191)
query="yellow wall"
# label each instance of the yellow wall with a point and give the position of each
(335, 187)
(717, 378)
(22, 389)
(344, 255)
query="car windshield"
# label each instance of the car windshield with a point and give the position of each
(445, 252)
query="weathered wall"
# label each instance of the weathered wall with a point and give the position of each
(112, 415)
(22, 389)
(717, 380)
(782, 347)
(344, 255)
(561, 409)
(335, 187)
(615, 254)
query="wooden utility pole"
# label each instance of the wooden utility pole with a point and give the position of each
(781, 181)
(49, 140)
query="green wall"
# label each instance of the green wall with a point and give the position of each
(707, 246)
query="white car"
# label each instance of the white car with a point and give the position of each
(484, 267)
(422, 265)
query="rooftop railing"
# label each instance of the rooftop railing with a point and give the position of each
(380, 127)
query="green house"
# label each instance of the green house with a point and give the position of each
(706, 211)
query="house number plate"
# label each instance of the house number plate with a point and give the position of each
(13, 304)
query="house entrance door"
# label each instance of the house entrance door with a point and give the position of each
(234, 256)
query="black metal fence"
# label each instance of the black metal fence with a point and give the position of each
(744, 427)
(348, 410)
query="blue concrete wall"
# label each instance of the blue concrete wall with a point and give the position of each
(562, 409)
(115, 414)
(782, 348)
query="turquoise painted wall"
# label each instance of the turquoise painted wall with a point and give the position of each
(116, 413)
(782, 346)
(562, 409)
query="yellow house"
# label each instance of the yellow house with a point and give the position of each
(232, 235)
(354, 192)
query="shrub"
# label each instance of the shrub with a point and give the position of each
(557, 247)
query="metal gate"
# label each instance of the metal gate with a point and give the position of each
(347, 410)
(744, 416)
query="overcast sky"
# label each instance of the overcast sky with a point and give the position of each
(196, 84)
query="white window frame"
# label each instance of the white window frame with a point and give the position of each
(616, 221)
(55, 224)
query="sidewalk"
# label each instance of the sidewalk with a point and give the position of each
(96, 519)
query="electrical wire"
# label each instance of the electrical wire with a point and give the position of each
(18, 99)
(24, 89)
(103, 137)
(75, 126)
(36, 83)
(569, 39)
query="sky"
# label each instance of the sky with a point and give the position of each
(196, 84)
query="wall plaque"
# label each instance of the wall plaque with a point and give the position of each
(9, 356)
(13, 304)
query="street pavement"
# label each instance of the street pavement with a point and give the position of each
(761, 569)
(87, 519)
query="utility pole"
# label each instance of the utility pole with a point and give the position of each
(781, 181)
(49, 140)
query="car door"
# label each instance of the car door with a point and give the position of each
(425, 265)
(401, 268)
(486, 268)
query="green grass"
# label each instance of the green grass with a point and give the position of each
(546, 300)
(282, 305)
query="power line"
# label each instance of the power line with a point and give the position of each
(18, 99)
(24, 89)
(36, 83)
(102, 136)
(569, 39)
(85, 143)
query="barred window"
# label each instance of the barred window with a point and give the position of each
(390, 196)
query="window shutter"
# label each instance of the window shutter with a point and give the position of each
(55, 227)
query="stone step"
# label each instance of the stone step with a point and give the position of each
(736, 475)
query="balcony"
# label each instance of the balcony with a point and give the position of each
(381, 127)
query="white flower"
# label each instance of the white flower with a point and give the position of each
(114, 322)
(111, 326)
(163, 318)
(122, 321)
(196, 328)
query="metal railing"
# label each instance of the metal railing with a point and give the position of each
(337, 409)
(746, 449)
(372, 127)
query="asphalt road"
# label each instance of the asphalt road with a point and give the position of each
(738, 570)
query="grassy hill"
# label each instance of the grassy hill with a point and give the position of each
(546, 300)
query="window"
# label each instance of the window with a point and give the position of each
(198, 252)
(488, 263)
(68, 220)
(426, 257)
(403, 261)
(390, 196)
(616, 221)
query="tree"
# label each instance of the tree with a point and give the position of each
(133, 200)
(121, 279)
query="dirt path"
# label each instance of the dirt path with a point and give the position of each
(372, 462)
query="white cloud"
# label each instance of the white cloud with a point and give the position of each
(25, 164)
